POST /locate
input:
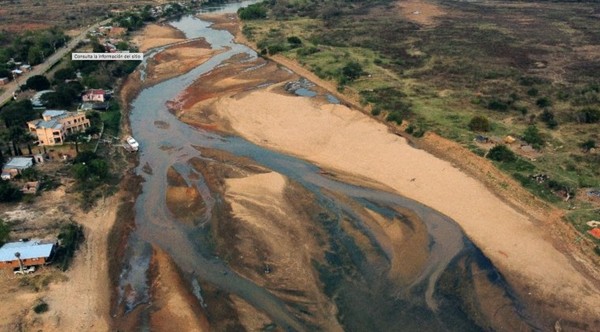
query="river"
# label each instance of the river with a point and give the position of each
(365, 303)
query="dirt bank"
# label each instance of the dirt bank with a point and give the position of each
(156, 35)
(176, 60)
(337, 137)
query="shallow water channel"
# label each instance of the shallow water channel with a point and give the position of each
(365, 303)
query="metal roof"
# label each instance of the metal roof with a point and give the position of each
(52, 124)
(19, 163)
(28, 250)
(53, 113)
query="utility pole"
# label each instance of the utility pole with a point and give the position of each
(18, 255)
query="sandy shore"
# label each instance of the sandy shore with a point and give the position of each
(338, 138)
(155, 35)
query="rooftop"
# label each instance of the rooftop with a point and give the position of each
(27, 249)
(52, 124)
(53, 113)
(19, 163)
(95, 92)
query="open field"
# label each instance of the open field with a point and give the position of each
(435, 65)
(32, 14)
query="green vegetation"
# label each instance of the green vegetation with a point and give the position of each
(38, 83)
(4, 232)
(532, 136)
(70, 237)
(253, 12)
(8, 192)
(31, 47)
(501, 153)
(479, 123)
(40, 307)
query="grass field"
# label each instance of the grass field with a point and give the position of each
(518, 64)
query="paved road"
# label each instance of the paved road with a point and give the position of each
(43, 67)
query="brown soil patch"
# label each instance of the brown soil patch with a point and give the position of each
(183, 200)
(174, 307)
(227, 22)
(177, 60)
(421, 12)
(193, 106)
(155, 35)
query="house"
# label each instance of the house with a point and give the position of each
(15, 166)
(55, 125)
(87, 106)
(36, 100)
(25, 68)
(4, 80)
(16, 72)
(94, 95)
(31, 187)
(31, 253)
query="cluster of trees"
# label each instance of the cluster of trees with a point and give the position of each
(31, 46)
(253, 12)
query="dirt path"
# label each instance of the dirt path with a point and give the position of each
(82, 303)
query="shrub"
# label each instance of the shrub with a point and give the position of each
(71, 236)
(497, 105)
(41, 307)
(588, 145)
(543, 102)
(589, 115)
(295, 41)
(352, 71)
(8, 192)
(479, 123)
(4, 232)
(532, 136)
(38, 83)
(532, 92)
(501, 153)
(252, 12)
(548, 117)
(376, 111)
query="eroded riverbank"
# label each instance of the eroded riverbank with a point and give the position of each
(268, 236)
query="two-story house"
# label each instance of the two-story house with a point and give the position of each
(55, 125)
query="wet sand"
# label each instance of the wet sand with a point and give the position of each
(156, 35)
(337, 137)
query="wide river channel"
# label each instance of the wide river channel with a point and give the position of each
(363, 303)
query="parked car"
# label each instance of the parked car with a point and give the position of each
(26, 270)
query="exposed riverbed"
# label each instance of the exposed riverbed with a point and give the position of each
(259, 239)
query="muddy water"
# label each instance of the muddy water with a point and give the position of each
(365, 298)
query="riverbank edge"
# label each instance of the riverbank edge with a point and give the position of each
(562, 235)
(557, 232)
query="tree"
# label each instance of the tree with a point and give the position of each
(479, 123)
(501, 153)
(38, 83)
(352, 70)
(35, 55)
(548, 117)
(18, 113)
(543, 102)
(63, 74)
(532, 136)
(253, 12)
(8, 192)
(588, 145)
(4, 232)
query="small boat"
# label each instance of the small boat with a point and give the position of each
(133, 144)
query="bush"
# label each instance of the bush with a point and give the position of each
(352, 71)
(589, 115)
(497, 105)
(501, 153)
(479, 123)
(70, 237)
(38, 83)
(548, 117)
(543, 102)
(4, 232)
(532, 136)
(294, 41)
(588, 145)
(532, 92)
(252, 12)
(41, 307)
(8, 192)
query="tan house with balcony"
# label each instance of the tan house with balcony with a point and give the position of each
(55, 125)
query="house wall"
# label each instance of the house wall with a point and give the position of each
(50, 137)
(26, 262)
(93, 97)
